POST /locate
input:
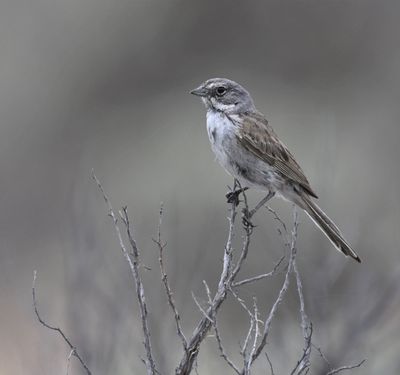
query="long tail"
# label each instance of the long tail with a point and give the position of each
(327, 226)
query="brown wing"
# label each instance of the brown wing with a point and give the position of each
(257, 136)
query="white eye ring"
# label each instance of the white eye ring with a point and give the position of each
(220, 90)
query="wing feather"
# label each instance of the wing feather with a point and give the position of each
(258, 137)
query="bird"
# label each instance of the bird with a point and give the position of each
(248, 148)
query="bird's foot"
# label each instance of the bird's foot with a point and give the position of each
(233, 196)
(246, 218)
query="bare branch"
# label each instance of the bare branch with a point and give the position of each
(282, 292)
(306, 326)
(221, 348)
(344, 368)
(319, 350)
(134, 268)
(73, 352)
(248, 361)
(243, 350)
(278, 219)
(228, 274)
(339, 369)
(259, 277)
(208, 292)
(69, 360)
(282, 227)
(303, 364)
(201, 309)
(253, 344)
(270, 364)
(303, 315)
(217, 334)
(167, 287)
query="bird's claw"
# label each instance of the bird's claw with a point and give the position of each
(233, 196)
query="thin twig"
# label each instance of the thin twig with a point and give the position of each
(255, 338)
(337, 370)
(259, 277)
(344, 368)
(201, 309)
(165, 281)
(277, 218)
(303, 364)
(228, 274)
(69, 360)
(208, 292)
(134, 268)
(305, 325)
(282, 228)
(221, 348)
(217, 335)
(282, 292)
(270, 364)
(303, 315)
(73, 349)
(243, 350)
(319, 350)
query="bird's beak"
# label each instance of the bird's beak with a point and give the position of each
(200, 91)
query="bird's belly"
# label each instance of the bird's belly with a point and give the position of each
(238, 161)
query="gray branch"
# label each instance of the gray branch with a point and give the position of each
(271, 367)
(228, 275)
(345, 368)
(161, 246)
(260, 277)
(222, 349)
(304, 363)
(73, 349)
(333, 371)
(134, 268)
(282, 292)
(256, 337)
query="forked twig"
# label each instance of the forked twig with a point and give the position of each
(306, 326)
(243, 350)
(134, 268)
(248, 362)
(333, 371)
(260, 277)
(205, 314)
(344, 368)
(282, 292)
(222, 349)
(256, 337)
(303, 364)
(73, 349)
(228, 275)
(164, 278)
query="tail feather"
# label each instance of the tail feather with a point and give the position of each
(328, 227)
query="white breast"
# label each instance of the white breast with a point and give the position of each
(220, 130)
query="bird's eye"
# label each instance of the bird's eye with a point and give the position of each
(220, 90)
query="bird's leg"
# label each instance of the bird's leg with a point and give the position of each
(247, 215)
(233, 195)
(269, 196)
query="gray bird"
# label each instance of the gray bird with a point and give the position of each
(248, 149)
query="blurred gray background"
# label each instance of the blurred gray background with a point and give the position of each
(104, 84)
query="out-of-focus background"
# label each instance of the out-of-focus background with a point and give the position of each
(104, 84)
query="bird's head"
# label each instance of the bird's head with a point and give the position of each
(224, 95)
